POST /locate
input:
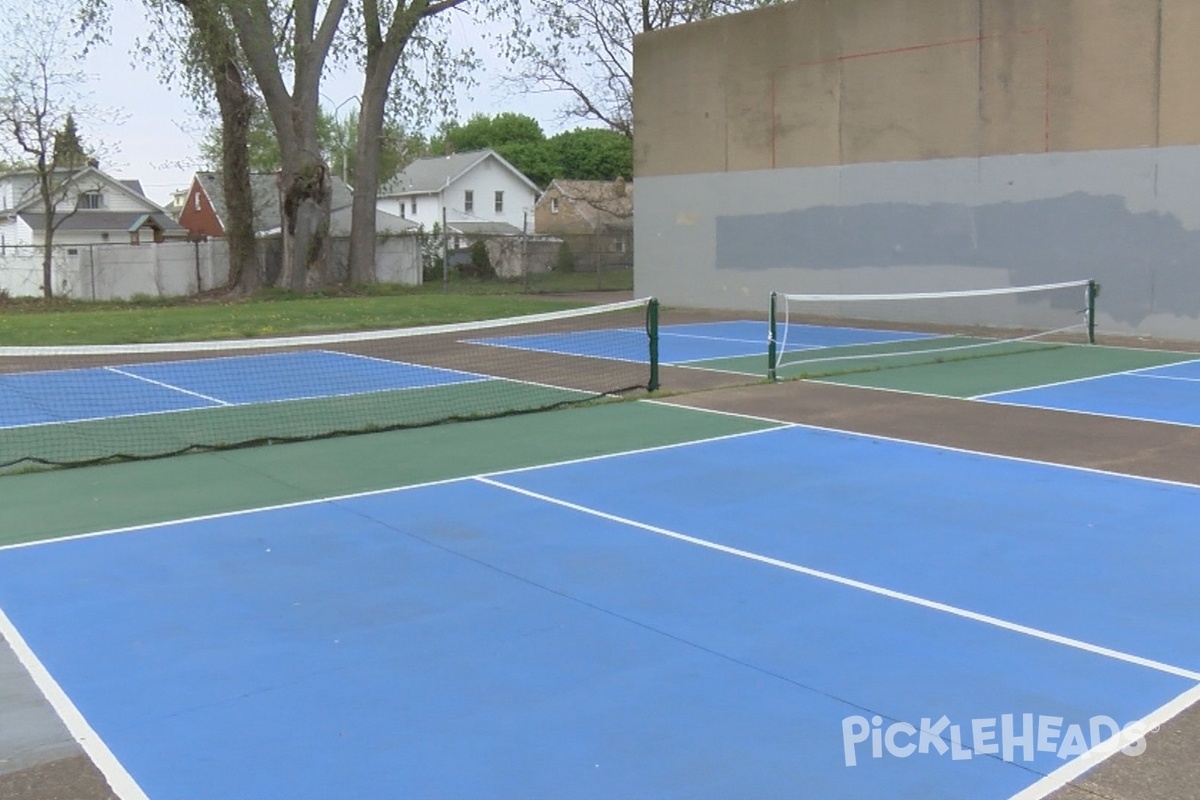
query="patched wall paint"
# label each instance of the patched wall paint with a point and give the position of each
(908, 145)
(1129, 219)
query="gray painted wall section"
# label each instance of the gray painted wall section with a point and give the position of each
(1129, 219)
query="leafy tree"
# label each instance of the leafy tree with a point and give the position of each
(592, 154)
(41, 93)
(196, 50)
(516, 137)
(482, 131)
(288, 39)
(413, 39)
(263, 147)
(584, 48)
(535, 160)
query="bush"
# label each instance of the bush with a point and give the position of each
(565, 262)
(480, 265)
(432, 271)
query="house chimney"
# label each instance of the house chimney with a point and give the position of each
(94, 163)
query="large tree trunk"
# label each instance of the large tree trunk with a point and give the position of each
(218, 48)
(48, 209)
(304, 177)
(384, 49)
(306, 201)
(236, 106)
(366, 175)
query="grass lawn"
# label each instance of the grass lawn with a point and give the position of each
(35, 322)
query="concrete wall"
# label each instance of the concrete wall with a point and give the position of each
(118, 272)
(895, 145)
(171, 269)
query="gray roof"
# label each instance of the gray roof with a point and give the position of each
(104, 221)
(431, 175)
(264, 190)
(484, 228)
(385, 223)
(31, 198)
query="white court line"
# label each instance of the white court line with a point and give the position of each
(1134, 371)
(169, 386)
(1102, 751)
(476, 377)
(388, 490)
(527, 349)
(892, 594)
(279, 400)
(945, 447)
(1163, 377)
(1104, 414)
(121, 782)
(662, 333)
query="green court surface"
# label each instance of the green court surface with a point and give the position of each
(1008, 370)
(150, 435)
(46, 505)
(957, 373)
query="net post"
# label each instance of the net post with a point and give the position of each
(652, 333)
(771, 341)
(1093, 289)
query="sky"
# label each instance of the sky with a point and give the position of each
(157, 139)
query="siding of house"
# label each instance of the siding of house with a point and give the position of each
(112, 198)
(198, 215)
(566, 220)
(484, 181)
(428, 209)
(13, 190)
(16, 233)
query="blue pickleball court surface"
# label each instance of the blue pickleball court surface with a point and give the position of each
(697, 621)
(697, 342)
(35, 398)
(1168, 393)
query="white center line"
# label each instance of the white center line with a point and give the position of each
(179, 389)
(861, 585)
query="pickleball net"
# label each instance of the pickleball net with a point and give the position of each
(83, 405)
(914, 328)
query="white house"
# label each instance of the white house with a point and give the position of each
(92, 208)
(479, 192)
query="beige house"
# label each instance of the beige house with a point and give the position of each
(594, 218)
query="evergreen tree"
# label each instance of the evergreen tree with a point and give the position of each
(68, 148)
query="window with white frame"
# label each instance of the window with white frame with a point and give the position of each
(553, 205)
(91, 200)
(412, 206)
(468, 201)
(499, 202)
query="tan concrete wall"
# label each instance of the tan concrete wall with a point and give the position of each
(815, 83)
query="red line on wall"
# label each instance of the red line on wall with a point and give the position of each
(910, 49)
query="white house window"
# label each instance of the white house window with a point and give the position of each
(402, 209)
(553, 205)
(499, 202)
(196, 201)
(92, 200)
(468, 201)
(619, 244)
